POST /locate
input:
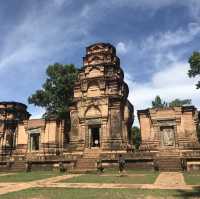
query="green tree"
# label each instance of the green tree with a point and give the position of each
(136, 136)
(178, 102)
(194, 70)
(56, 94)
(157, 103)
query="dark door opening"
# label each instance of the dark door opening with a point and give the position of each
(95, 138)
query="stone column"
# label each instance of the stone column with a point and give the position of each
(22, 137)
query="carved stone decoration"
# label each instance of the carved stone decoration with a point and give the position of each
(92, 112)
(113, 88)
(168, 138)
(34, 131)
(110, 71)
(116, 127)
(74, 123)
(96, 59)
(81, 76)
(96, 49)
(94, 72)
(84, 85)
(102, 84)
(93, 89)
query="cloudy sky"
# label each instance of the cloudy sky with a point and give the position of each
(154, 39)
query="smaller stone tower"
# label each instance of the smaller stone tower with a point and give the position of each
(11, 115)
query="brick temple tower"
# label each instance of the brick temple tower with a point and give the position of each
(101, 116)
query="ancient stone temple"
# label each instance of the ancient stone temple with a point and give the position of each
(170, 135)
(169, 127)
(12, 116)
(101, 116)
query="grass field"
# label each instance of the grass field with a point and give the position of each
(112, 176)
(192, 178)
(62, 193)
(109, 176)
(28, 176)
(128, 171)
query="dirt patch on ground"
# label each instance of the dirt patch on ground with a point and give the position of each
(7, 174)
(170, 179)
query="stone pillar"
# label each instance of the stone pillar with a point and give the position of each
(22, 137)
(104, 135)
(21, 140)
(49, 141)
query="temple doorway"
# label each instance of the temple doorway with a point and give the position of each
(94, 136)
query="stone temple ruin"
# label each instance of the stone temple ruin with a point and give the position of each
(101, 118)
(171, 135)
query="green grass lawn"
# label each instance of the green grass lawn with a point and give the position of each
(115, 170)
(112, 176)
(63, 193)
(192, 178)
(28, 176)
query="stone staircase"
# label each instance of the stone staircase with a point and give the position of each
(169, 160)
(13, 166)
(19, 166)
(88, 160)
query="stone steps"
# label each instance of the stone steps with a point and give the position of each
(19, 166)
(170, 164)
(93, 156)
(169, 155)
(86, 164)
(15, 166)
(169, 160)
(88, 160)
(91, 153)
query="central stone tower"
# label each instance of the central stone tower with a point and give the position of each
(101, 116)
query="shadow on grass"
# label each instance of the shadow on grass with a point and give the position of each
(185, 194)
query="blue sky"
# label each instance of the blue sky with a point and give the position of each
(154, 39)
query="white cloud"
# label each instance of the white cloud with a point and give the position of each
(169, 84)
(175, 74)
(155, 4)
(163, 40)
(193, 5)
(168, 73)
(61, 2)
(159, 50)
(121, 48)
(86, 11)
(41, 35)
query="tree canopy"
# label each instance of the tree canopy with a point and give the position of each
(159, 103)
(56, 94)
(194, 70)
(136, 136)
(179, 102)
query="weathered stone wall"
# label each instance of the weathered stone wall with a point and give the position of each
(161, 125)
